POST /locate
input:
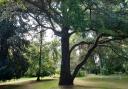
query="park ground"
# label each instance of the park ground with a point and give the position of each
(88, 82)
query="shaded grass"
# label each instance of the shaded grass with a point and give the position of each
(30, 84)
(90, 82)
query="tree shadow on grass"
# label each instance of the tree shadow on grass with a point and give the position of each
(23, 84)
(9, 86)
(83, 87)
(43, 80)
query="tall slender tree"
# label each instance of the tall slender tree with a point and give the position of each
(40, 58)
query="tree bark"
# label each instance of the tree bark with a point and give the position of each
(65, 75)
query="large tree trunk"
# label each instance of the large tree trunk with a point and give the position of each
(65, 75)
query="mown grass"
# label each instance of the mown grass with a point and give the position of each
(89, 82)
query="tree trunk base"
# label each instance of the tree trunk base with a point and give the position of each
(38, 79)
(66, 82)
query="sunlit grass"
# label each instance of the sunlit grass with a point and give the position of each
(89, 82)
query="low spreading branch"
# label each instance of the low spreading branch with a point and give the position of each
(95, 44)
(86, 56)
(80, 43)
(116, 38)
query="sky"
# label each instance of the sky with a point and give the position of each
(33, 36)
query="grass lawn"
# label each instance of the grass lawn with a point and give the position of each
(89, 82)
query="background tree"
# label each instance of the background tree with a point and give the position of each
(13, 64)
(50, 58)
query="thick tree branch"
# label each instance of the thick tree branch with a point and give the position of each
(95, 44)
(89, 52)
(116, 38)
(80, 43)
